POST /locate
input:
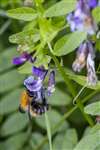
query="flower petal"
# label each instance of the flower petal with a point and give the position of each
(18, 60)
(39, 72)
(91, 75)
(51, 83)
(21, 59)
(32, 84)
(92, 3)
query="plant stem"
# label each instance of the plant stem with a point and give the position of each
(70, 87)
(48, 130)
(65, 116)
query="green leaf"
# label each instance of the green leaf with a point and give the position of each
(48, 126)
(60, 96)
(36, 139)
(95, 129)
(60, 8)
(6, 58)
(92, 130)
(57, 142)
(10, 80)
(54, 117)
(28, 36)
(93, 109)
(65, 140)
(5, 3)
(47, 30)
(89, 142)
(96, 14)
(10, 102)
(26, 68)
(23, 13)
(69, 43)
(70, 139)
(15, 142)
(82, 80)
(14, 123)
(40, 60)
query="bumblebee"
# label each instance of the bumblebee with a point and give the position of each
(31, 103)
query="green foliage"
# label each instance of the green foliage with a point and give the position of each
(10, 102)
(93, 109)
(69, 43)
(24, 37)
(81, 80)
(10, 80)
(13, 124)
(56, 10)
(65, 141)
(23, 13)
(96, 14)
(90, 141)
(15, 142)
(42, 28)
(60, 97)
(6, 57)
(51, 115)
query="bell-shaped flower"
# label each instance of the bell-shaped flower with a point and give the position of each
(33, 85)
(39, 72)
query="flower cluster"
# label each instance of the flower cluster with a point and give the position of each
(23, 58)
(81, 20)
(36, 91)
(35, 84)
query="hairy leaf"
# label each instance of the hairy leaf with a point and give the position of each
(10, 102)
(60, 8)
(14, 123)
(23, 13)
(69, 43)
(93, 109)
(96, 13)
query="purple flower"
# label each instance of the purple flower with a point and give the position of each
(23, 58)
(92, 3)
(51, 83)
(85, 56)
(81, 18)
(33, 85)
(80, 60)
(39, 72)
(91, 73)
